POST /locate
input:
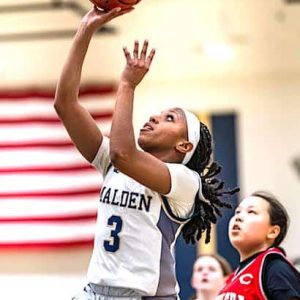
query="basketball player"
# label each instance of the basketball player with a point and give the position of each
(209, 274)
(256, 230)
(147, 196)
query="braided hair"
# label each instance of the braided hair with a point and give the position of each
(205, 212)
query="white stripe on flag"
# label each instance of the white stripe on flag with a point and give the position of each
(35, 157)
(44, 108)
(14, 208)
(45, 232)
(40, 132)
(45, 182)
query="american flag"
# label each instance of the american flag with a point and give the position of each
(48, 192)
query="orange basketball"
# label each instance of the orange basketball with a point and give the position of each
(107, 5)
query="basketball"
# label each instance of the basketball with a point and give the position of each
(107, 5)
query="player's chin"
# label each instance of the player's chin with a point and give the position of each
(142, 142)
(205, 287)
(235, 240)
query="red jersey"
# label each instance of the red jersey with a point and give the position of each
(246, 284)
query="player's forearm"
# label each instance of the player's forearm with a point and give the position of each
(77, 120)
(122, 141)
(69, 82)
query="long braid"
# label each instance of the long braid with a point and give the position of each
(205, 212)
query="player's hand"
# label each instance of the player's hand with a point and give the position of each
(137, 64)
(96, 17)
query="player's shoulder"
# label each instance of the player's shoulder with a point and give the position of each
(280, 275)
(182, 169)
(180, 174)
(273, 257)
(274, 261)
(277, 265)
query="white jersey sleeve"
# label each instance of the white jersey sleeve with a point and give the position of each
(184, 186)
(102, 158)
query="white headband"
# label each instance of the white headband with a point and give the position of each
(193, 128)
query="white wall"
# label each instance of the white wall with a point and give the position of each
(40, 286)
(43, 273)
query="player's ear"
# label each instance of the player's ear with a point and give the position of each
(184, 146)
(273, 232)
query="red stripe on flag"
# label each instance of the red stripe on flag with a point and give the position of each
(56, 219)
(47, 245)
(34, 194)
(49, 168)
(48, 95)
(48, 120)
(38, 144)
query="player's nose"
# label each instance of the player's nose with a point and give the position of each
(238, 218)
(154, 119)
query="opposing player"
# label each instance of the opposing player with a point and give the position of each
(209, 274)
(256, 230)
(147, 196)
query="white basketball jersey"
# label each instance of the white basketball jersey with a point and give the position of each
(137, 229)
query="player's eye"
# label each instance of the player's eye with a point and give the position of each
(237, 212)
(251, 211)
(170, 117)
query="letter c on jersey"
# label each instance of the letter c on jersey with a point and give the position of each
(246, 279)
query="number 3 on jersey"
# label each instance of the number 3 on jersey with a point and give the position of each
(113, 244)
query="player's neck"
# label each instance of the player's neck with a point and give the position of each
(206, 295)
(166, 156)
(248, 252)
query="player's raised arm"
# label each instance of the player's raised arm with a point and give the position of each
(124, 154)
(80, 125)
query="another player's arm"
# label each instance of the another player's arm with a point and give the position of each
(81, 127)
(123, 151)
